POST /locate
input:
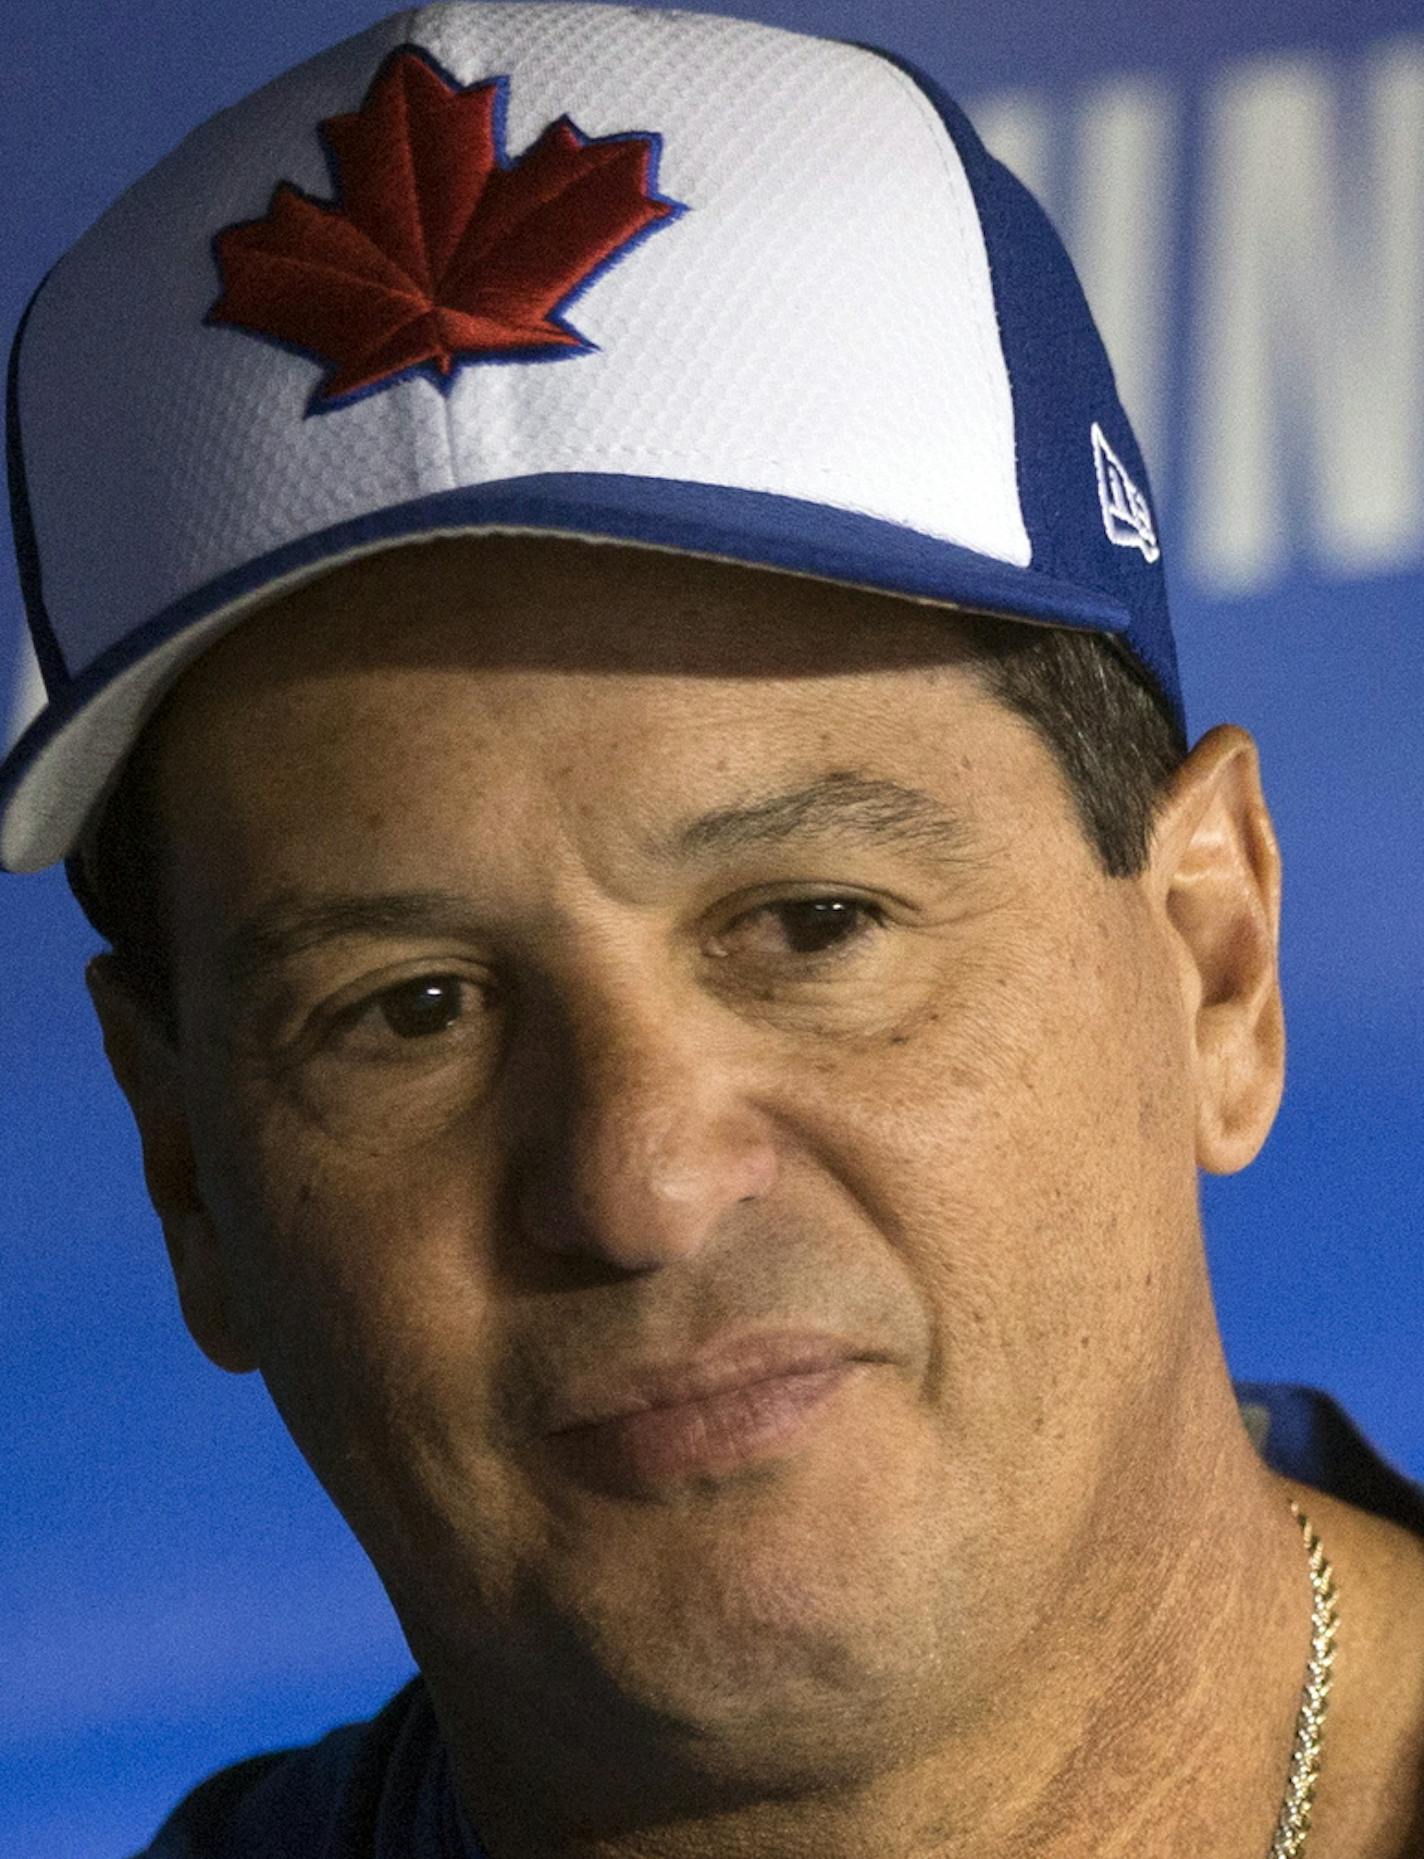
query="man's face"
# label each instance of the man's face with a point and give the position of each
(498, 1078)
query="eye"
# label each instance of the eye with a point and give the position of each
(412, 1011)
(812, 927)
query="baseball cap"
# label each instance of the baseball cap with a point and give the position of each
(638, 276)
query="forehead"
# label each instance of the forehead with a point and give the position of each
(524, 600)
(636, 681)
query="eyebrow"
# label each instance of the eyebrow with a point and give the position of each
(843, 804)
(849, 805)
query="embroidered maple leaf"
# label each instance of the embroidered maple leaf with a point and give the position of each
(436, 250)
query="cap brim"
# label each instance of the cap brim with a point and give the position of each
(66, 761)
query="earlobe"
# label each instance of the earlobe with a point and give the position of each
(203, 1293)
(146, 1067)
(1216, 871)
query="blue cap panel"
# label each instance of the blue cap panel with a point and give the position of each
(1062, 384)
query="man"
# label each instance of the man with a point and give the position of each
(673, 1028)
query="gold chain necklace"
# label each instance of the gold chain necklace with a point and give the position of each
(1294, 1823)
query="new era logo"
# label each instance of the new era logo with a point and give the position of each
(1126, 516)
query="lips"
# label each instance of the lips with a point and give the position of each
(723, 1366)
(715, 1437)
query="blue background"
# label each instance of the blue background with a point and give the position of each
(175, 1591)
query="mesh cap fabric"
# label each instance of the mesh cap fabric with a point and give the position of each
(638, 276)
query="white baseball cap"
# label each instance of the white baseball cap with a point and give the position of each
(633, 275)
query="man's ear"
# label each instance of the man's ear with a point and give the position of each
(1216, 881)
(146, 1065)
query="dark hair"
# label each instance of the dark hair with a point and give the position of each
(1111, 732)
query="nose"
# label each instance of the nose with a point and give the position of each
(642, 1138)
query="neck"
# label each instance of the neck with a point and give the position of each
(1151, 1708)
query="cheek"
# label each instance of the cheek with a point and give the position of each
(1028, 1151)
(372, 1312)
(381, 1355)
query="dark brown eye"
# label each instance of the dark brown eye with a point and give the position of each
(815, 924)
(420, 1009)
(804, 931)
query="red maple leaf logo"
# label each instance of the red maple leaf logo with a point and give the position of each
(437, 250)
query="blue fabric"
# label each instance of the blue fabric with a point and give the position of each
(27, 554)
(702, 519)
(1062, 383)
(382, 1789)
(757, 527)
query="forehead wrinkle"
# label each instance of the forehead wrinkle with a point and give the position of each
(844, 802)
